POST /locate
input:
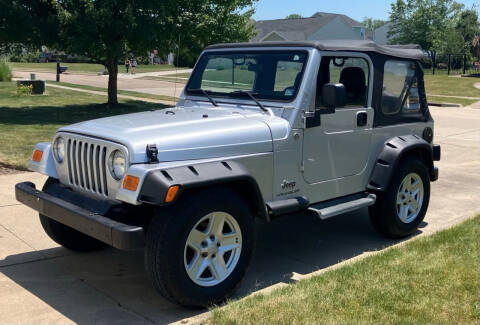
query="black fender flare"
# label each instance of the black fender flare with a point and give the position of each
(157, 182)
(394, 150)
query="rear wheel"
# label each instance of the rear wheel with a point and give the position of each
(198, 251)
(399, 211)
(66, 236)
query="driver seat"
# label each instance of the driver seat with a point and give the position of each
(353, 78)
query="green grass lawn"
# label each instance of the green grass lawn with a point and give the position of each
(451, 86)
(86, 67)
(24, 121)
(453, 100)
(430, 280)
(120, 92)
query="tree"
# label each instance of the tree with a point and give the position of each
(110, 30)
(476, 45)
(423, 22)
(373, 24)
(467, 27)
(208, 26)
(293, 16)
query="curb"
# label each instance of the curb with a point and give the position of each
(204, 317)
(444, 104)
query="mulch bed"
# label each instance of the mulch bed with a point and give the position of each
(10, 170)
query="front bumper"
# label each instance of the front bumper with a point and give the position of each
(116, 234)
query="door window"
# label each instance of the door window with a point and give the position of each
(353, 73)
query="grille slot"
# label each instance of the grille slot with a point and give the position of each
(87, 166)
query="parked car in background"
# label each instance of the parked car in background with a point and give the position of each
(46, 57)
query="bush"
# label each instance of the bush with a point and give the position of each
(5, 70)
(145, 60)
(24, 90)
(29, 57)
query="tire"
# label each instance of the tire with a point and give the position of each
(388, 214)
(66, 236)
(168, 254)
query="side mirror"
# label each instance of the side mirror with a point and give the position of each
(333, 96)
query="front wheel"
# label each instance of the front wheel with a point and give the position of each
(198, 251)
(398, 212)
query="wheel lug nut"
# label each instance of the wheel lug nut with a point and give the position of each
(212, 237)
(204, 254)
(204, 243)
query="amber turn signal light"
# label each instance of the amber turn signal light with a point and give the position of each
(131, 182)
(37, 155)
(171, 193)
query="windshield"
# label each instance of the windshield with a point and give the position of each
(271, 75)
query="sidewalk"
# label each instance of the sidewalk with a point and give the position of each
(152, 74)
(104, 93)
(155, 87)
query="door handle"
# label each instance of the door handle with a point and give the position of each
(362, 118)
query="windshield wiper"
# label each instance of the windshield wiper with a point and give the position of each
(205, 92)
(252, 96)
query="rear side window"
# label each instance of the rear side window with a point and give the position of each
(400, 88)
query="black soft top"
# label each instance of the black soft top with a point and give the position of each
(401, 51)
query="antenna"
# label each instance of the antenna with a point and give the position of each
(176, 70)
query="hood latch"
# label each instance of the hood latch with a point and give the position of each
(152, 153)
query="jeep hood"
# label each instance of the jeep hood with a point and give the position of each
(182, 133)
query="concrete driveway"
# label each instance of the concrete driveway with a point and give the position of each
(43, 283)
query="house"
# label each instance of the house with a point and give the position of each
(380, 35)
(321, 26)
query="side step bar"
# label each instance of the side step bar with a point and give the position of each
(342, 205)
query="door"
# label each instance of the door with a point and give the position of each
(339, 146)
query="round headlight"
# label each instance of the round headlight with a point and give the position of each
(59, 149)
(117, 164)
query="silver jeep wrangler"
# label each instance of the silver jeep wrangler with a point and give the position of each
(261, 130)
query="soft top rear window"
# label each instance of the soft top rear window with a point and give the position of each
(268, 75)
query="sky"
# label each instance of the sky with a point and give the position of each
(356, 9)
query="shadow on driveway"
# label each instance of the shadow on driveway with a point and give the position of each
(111, 286)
